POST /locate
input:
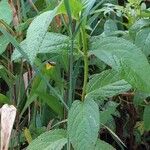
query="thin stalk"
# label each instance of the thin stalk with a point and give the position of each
(65, 23)
(95, 27)
(70, 75)
(19, 11)
(24, 15)
(75, 75)
(10, 69)
(85, 58)
(68, 145)
(33, 6)
(70, 93)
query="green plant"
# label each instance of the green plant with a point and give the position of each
(121, 66)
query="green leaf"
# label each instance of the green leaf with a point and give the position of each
(37, 32)
(135, 2)
(139, 98)
(82, 5)
(52, 102)
(102, 79)
(141, 23)
(83, 124)
(16, 54)
(125, 58)
(3, 44)
(30, 100)
(52, 43)
(15, 43)
(110, 27)
(106, 84)
(110, 90)
(23, 26)
(142, 40)
(107, 112)
(87, 5)
(52, 140)
(6, 75)
(4, 99)
(102, 145)
(37, 85)
(74, 10)
(146, 118)
(5, 11)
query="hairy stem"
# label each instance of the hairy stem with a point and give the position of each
(70, 93)
(71, 74)
(85, 58)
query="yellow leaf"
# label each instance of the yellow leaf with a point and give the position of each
(27, 135)
(49, 65)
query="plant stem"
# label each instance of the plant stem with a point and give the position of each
(70, 93)
(85, 57)
(68, 145)
(70, 74)
(34, 7)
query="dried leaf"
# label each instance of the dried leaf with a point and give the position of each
(8, 114)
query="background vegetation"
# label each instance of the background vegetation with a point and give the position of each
(78, 73)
